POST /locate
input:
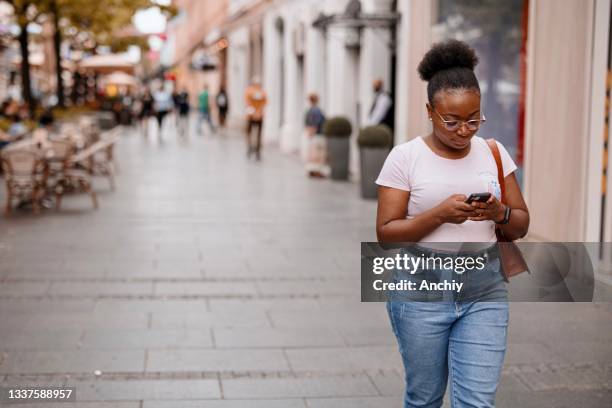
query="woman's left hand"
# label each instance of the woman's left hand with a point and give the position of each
(492, 210)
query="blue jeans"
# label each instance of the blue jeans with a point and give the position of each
(454, 340)
(205, 116)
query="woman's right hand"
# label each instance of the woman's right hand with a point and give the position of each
(455, 210)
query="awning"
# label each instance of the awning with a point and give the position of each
(108, 63)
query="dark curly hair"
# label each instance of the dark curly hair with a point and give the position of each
(449, 65)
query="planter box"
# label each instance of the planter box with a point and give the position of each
(338, 157)
(372, 160)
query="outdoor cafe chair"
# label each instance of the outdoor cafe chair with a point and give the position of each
(25, 173)
(97, 160)
(66, 176)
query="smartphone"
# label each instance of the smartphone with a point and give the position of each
(478, 197)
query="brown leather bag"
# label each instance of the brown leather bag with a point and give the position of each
(511, 258)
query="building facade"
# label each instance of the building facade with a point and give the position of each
(544, 71)
(197, 48)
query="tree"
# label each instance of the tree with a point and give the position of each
(25, 13)
(101, 19)
(98, 18)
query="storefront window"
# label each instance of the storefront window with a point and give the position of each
(497, 31)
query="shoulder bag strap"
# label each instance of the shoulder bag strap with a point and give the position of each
(500, 167)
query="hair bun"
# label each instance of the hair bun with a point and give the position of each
(446, 55)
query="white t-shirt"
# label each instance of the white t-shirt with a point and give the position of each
(431, 179)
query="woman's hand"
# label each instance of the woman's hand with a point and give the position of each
(492, 210)
(455, 210)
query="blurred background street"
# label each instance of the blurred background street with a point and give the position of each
(208, 280)
(151, 257)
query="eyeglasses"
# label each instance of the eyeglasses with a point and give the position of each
(454, 125)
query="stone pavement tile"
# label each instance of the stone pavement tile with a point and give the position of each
(555, 376)
(269, 338)
(247, 318)
(551, 328)
(46, 339)
(322, 386)
(55, 321)
(205, 288)
(82, 404)
(154, 274)
(118, 306)
(318, 288)
(101, 288)
(363, 336)
(279, 403)
(240, 305)
(188, 253)
(530, 353)
(268, 273)
(146, 339)
(543, 312)
(344, 359)
(365, 402)
(350, 303)
(388, 383)
(22, 382)
(582, 351)
(178, 265)
(216, 360)
(80, 361)
(111, 390)
(134, 253)
(556, 399)
(116, 267)
(323, 318)
(29, 306)
(17, 289)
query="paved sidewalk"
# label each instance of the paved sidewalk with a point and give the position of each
(207, 280)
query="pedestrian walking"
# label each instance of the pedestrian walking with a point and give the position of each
(315, 162)
(175, 110)
(256, 99)
(162, 103)
(145, 111)
(222, 105)
(381, 111)
(182, 104)
(422, 199)
(204, 109)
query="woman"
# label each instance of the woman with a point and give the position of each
(422, 197)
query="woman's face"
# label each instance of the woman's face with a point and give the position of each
(454, 105)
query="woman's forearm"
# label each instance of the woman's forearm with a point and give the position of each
(410, 230)
(518, 225)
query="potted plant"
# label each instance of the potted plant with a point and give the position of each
(337, 131)
(374, 145)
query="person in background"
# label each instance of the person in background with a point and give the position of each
(381, 111)
(162, 103)
(204, 108)
(16, 131)
(175, 110)
(5, 139)
(182, 105)
(146, 110)
(18, 128)
(222, 105)
(316, 142)
(256, 99)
